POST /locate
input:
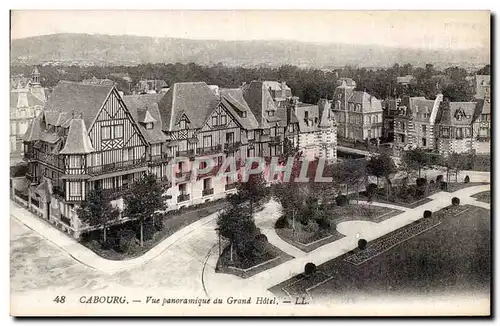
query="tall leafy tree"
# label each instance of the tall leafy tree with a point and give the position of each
(97, 210)
(417, 159)
(252, 191)
(143, 202)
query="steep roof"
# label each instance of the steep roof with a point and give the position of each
(144, 109)
(194, 99)
(327, 119)
(78, 141)
(449, 112)
(34, 129)
(311, 124)
(79, 98)
(260, 102)
(232, 99)
(24, 99)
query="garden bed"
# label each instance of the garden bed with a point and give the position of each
(172, 221)
(454, 186)
(484, 196)
(308, 238)
(245, 268)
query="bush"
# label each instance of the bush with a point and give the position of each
(439, 178)
(455, 201)
(281, 223)
(362, 243)
(126, 239)
(310, 268)
(341, 200)
(148, 230)
(431, 182)
(323, 223)
(427, 214)
(19, 170)
(261, 238)
(443, 185)
(311, 227)
(421, 182)
(467, 179)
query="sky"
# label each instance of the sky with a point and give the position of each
(415, 29)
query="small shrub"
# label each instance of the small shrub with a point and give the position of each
(281, 223)
(439, 178)
(310, 269)
(323, 223)
(427, 214)
(443, 185)
(126, 239)
(362, 243)
(431, 182)
(421, 182)
(261, 237)
(341, 200)
(466, 179)
(311, 227)
(455, 201)
(148, 231)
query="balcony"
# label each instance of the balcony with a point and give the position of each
(212, 172)
(231, 147)
(230, 186)
(183, 174)
(117, 192)
(156, 159)
(187, 153)
(275, 140)
(182, 198)
(29, 156)
(208, 192)
(31, 177)
(210, 150)
(114, 167)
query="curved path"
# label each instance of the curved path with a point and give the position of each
(185, 261)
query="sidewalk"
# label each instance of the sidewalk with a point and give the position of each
(86, 256)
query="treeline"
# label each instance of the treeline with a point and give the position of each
(308, 84)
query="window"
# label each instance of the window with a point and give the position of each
(306, 115)
(149, 125)
(74, 162)
(445, 132)
(182, 188)
(183, 124)
(155, 149)
(214, 121)
(459, 133)
(223, 120)
(230, 137)
(424, 129)
(244, 114)
(273, 132)
(403, 126)
(106, 132)
(375, 119)
(97, 159)
(251, 134)
(358, 107)
(207, 141)
(467, 132)
(424, 142)
(179, 166)
(118, 131)
(270, 113)
(75, 189)
(203, 165)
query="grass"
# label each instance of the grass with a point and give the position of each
(172, 222)
(484, 196)
(308, 238)
(244, 268)
(452, 187)
(454, 256)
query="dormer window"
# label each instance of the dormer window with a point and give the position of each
(244, 114)
(306, 115)
(183, 124)
(149, 125)
(271, 113)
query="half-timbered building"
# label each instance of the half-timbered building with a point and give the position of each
(84, 139)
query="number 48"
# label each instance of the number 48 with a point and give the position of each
(60, 299)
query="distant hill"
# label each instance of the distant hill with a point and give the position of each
(84, 49)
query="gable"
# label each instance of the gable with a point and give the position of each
(220, 118)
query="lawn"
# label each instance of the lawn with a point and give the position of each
(172, 221)
(451, 257)
(270, 257)
(452, 186)
(484, 196)
(310, 237)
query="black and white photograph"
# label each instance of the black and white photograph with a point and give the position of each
(250, 163)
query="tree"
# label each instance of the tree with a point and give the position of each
(354, 173)
(452, 163)
(97, 210)
(418, 159)
(253, 191)
(239, 227)
(145, 200)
